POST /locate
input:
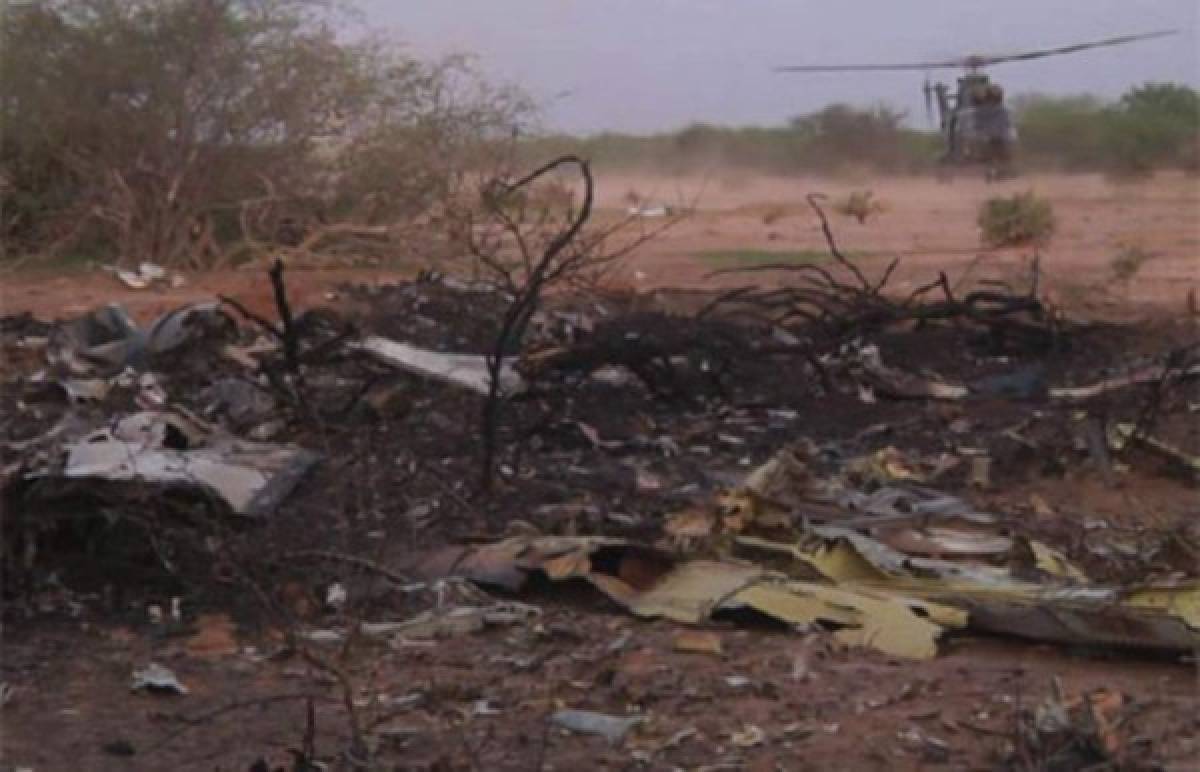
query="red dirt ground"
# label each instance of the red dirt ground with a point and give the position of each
(928, 224)
(819, 708)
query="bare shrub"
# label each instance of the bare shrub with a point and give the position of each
(773, 215)
(529, 236)
(1129, 261)
(859, 204)
(1022, 218)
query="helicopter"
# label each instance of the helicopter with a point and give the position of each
(976, 126)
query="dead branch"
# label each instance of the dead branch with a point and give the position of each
(341, 229)
(249, 315)
(291, 343)
(548, 268)
(1174, 369)
(829, 310)
(358, 750)
(813, 199)
(191, 722)
(351, 560)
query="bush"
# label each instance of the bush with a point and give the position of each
(859, 204)
(1128, 262)
(1014, 220)
(773, 215)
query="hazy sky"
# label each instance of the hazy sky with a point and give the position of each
(642, 65)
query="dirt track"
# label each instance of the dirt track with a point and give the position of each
(930, 225)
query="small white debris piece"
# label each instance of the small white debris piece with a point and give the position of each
(612, 728)
(151, 395)
(323, 636)
(469, 371)
(335, 596)
(85, 389)
(749, 737)
(619, 643)
(485, 708)
(156, 678)
(403, 702)
(152, 271)
(648, 211)
(677, 739)
(146, 274)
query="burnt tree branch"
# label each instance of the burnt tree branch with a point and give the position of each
(553, 264)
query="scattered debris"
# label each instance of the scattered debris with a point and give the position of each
(696, 591)
(1124, 434)
(1025, 384)
(611, 728)
(146, 275)
(698, 642)
(896, 383)
(335, 596)
(649, 211)
(172, 450)
(677, 739)
(749, 737)
(1155, 616)
(107, 340)
(930, 747)
(156, 678)
(894, 524)
(1076, 732)
(469, 371)
(459, 620)
(79, 390)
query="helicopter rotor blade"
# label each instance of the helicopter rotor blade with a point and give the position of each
(974, 61)
(1069, 49)
(952, 64)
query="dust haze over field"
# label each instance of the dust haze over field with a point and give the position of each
(641, 67)
(600, 400)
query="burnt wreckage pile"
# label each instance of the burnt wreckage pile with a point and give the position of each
(817, 453)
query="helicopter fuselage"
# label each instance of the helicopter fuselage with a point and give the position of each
(976, 125)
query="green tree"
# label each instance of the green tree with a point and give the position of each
(840, 133)
(1066, 132)
(1157, 124)
(165, 129)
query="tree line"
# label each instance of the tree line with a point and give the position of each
(1153, 126)
(203, 132)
